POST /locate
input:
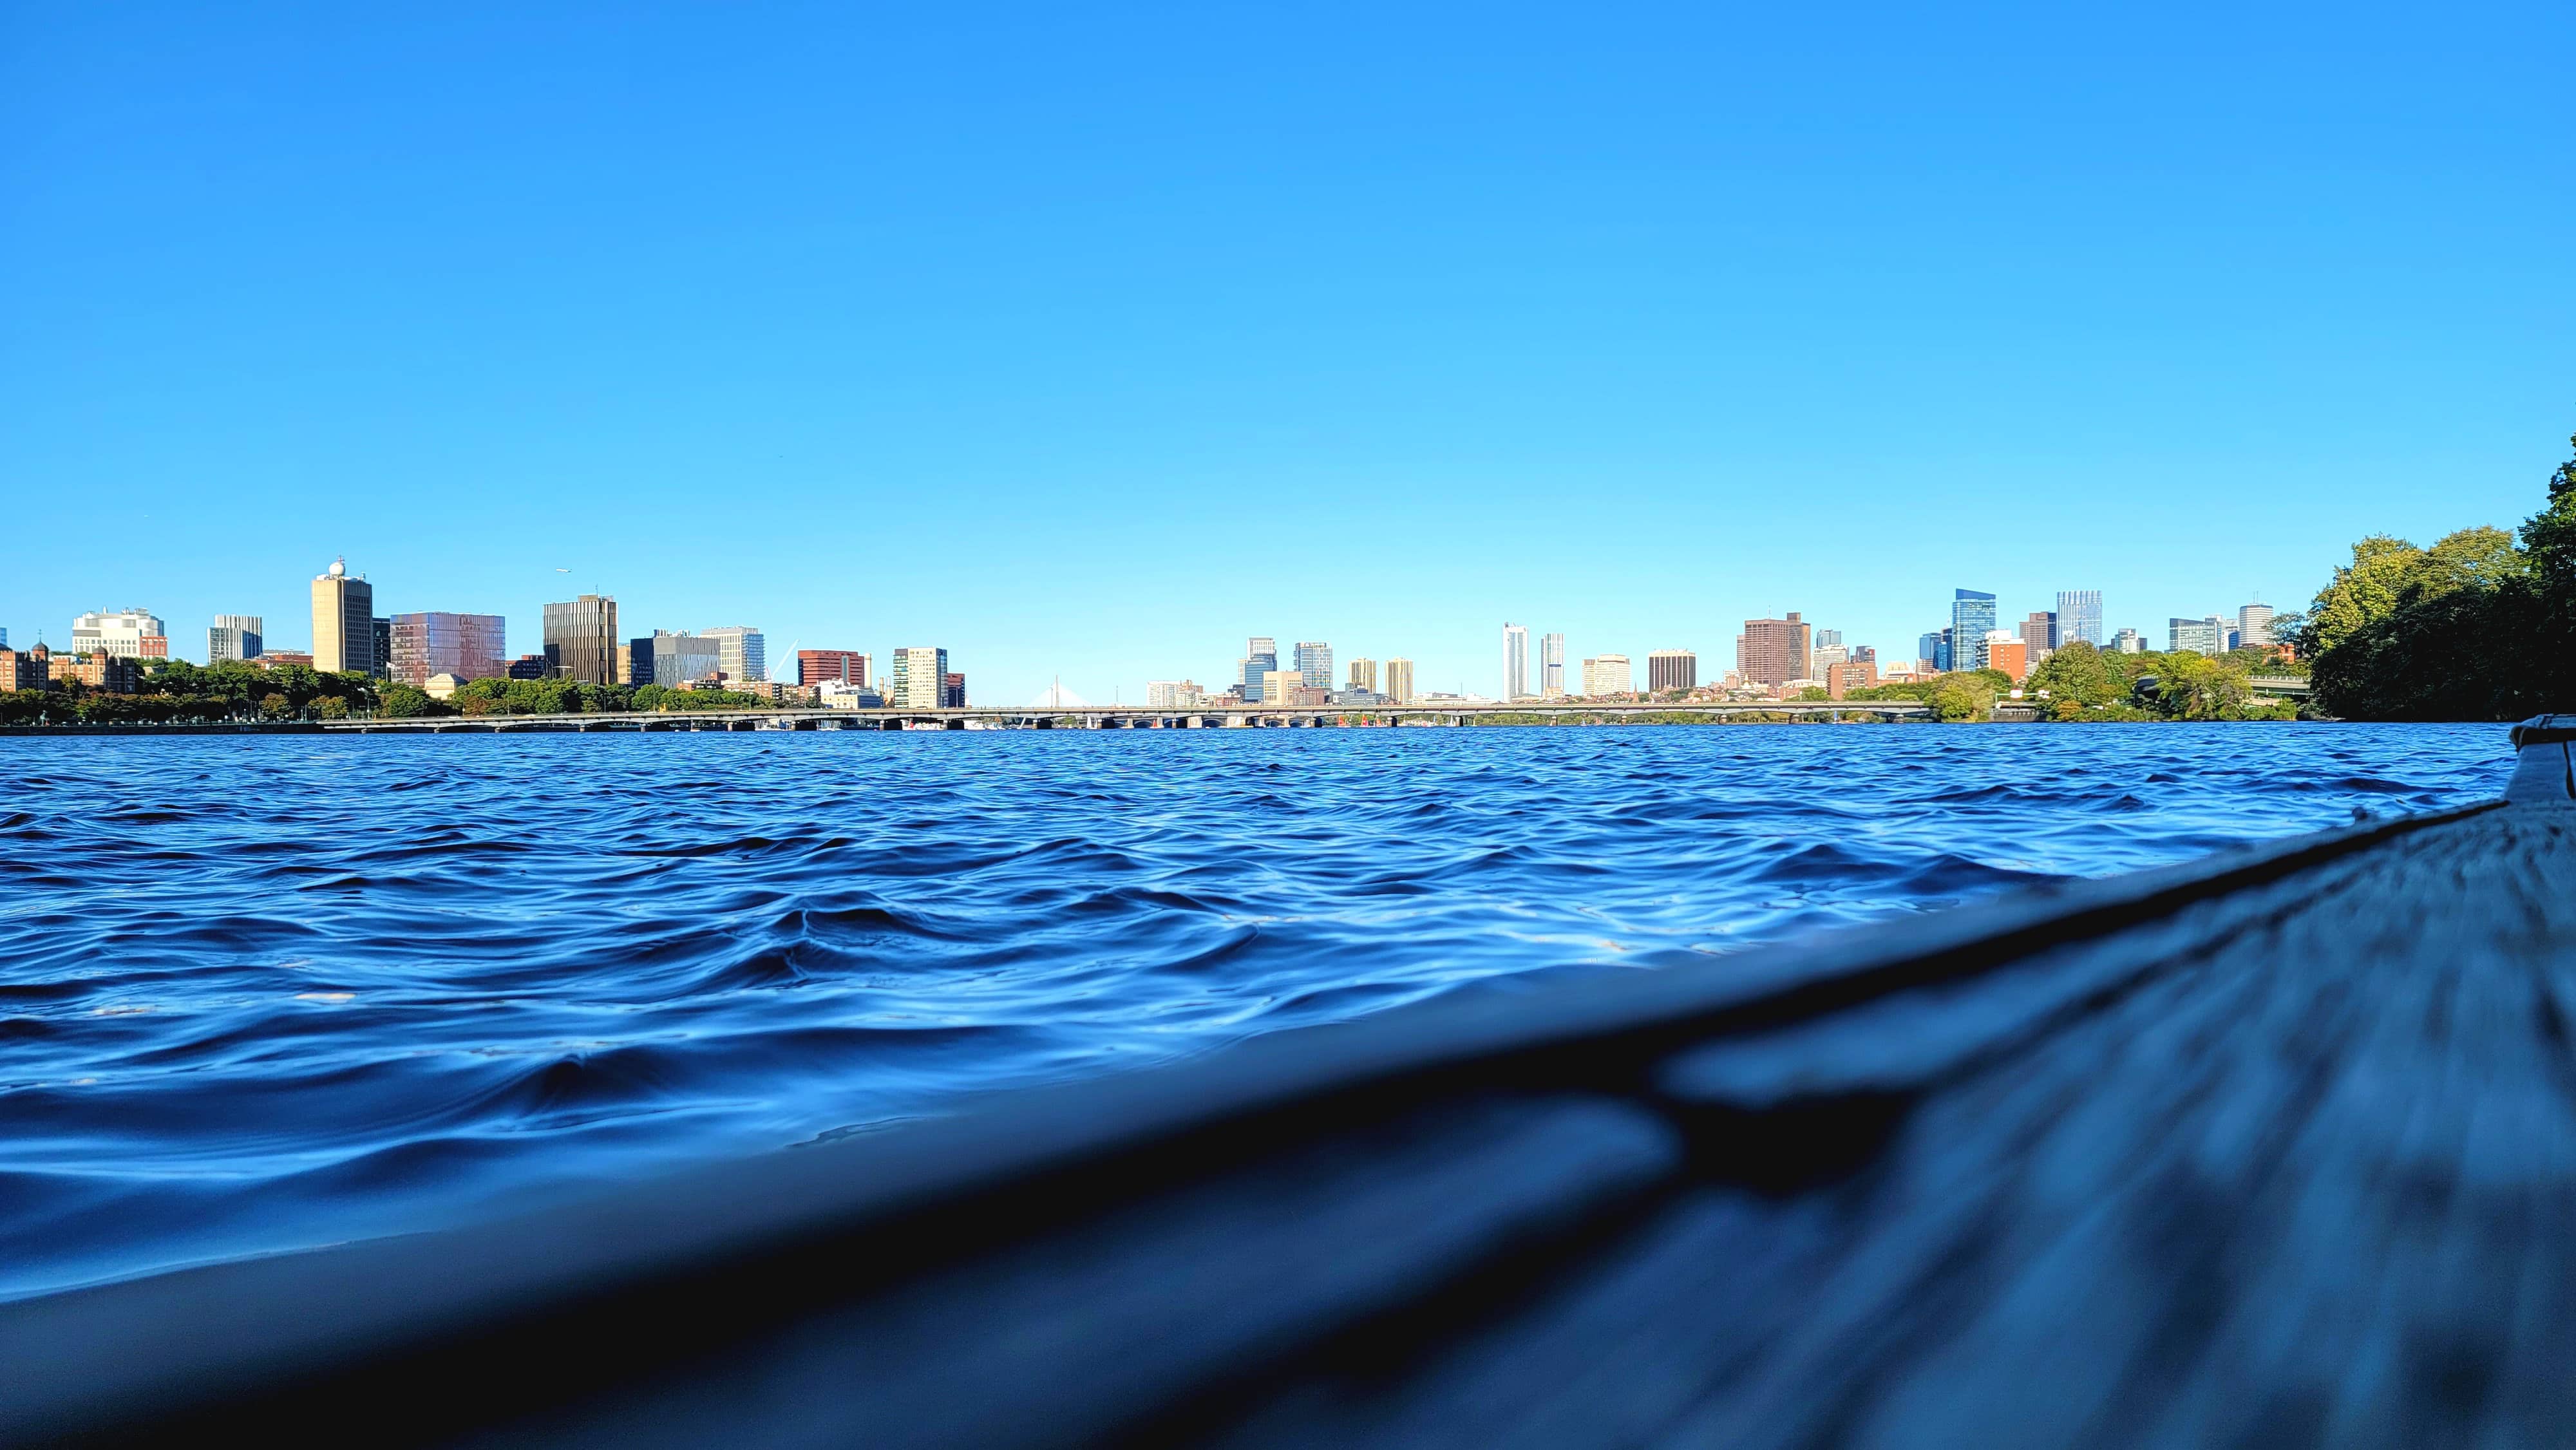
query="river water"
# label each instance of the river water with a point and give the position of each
(259, 993)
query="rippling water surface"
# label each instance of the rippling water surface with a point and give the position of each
(268, 992)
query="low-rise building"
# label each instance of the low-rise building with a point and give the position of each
(442, 686)
(842, 695)
(532, 667)
(109, 674)
(24, 669)
(276, 658)
(1849, 675)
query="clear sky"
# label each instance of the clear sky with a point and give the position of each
(1088, 340)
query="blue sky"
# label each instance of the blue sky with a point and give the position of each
(1087, 340)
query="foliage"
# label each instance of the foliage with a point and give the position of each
(2474, 628)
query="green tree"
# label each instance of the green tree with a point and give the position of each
(2079, 673)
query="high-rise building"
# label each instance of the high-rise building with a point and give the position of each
(126, 634)
(742, 652)
(1773, 651)
(1828, 638)
(919, 675)
(2127, 642)
(468, 646)
(581, 640)
(1314, 664)
(1862, 654)
(1260, 657)
(1933, 649)
(682, 658)
(1608, 675)
(952, 691)
(2010, 654)
(344, 622)
(2079, 616)
(840, 666)
(1364, 675)
(1672, 669)
(1971, 615)
(2254, 624)
(2206, 635)
(2038, 635)
(1173, 695)
(1551, 666)
(1516, 675)
(233, 637)
(380, 631)
(1399, 680)
(1280, 687)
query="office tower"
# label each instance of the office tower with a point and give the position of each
(635, 662)
(1773, 651)
(1551, 666)
(841, 666)
(380, 635)
(1672, 669)
(2254, 624)
(1608, 675)
(2038, 635)
(1280, 687)
(1314, 664)
(1399, 680)
(2079, 616)
(1260, 657)
(344, 622)
(919, 674)
(4, 636)
(581, 640)
(2128, 643)
(1828, 638)
(1928, 649)
(468, 646)
(234, 637)
(952, 691)
(2206, 635)
(1364, 675)
(1862, 654)
(1971, 615)
(125, 634)
(742, 653)
(682, 658)
(1516, 679)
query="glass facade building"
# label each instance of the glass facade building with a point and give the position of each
(1551, 666)
(1516, 675)
(2079, 616)
(1315, 664)
(1971, 615)
(468, 646)
(581, 639)
(742, 651)
(1260, 658)
(233, 637)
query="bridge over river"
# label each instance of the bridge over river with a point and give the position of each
(1115, 717)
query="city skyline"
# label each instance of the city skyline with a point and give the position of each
(700, 337)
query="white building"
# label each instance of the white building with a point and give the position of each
(2127, 642)
(2205, 635)
(1516, 675)
(741, 652)
(235, 637)
(918, 673)
(846, 695)
(2254, 624)
(1609, 675)
(1173, 695)
(1551, 666)
(125, 633)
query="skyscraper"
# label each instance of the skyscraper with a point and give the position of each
(2038, 635)
(741, 652)
(1399, 680)
(1516, 676)
(1934, 649)
(917, 679)
(468, 646)
(1773, 651)
(344, 622)
(1364, 675)
(1551, 666)
(1314, 664)
(1608, 675)
(1672, 669)
(2254, 624)
(581, 639)
(1260, 657)
(2079, 616)
(1971, 615)
(234, 637)
(952, 691)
